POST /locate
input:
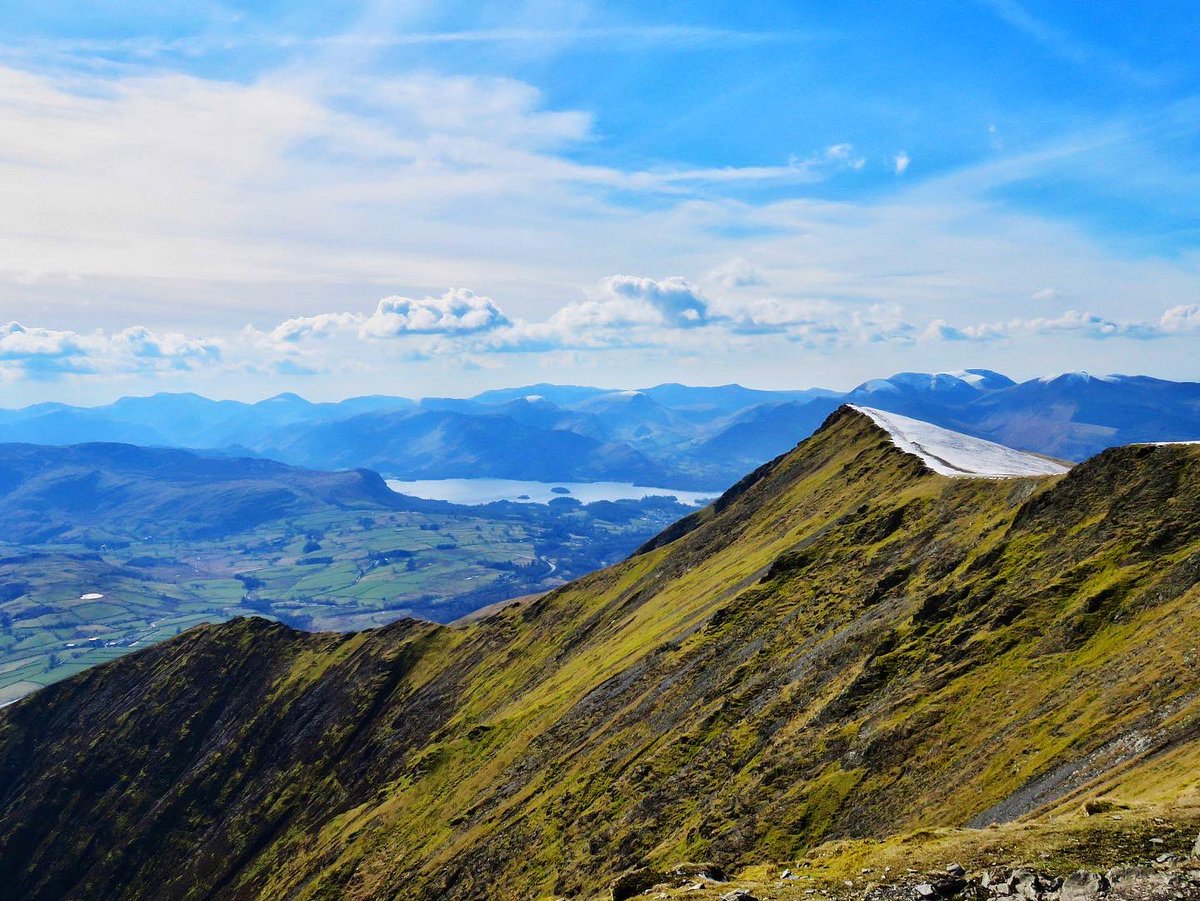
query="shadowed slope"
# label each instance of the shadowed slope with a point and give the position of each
(808, 659)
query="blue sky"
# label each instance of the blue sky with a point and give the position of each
(426, 198)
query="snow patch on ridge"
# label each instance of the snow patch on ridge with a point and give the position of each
(954, 454)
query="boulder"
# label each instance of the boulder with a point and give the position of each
(1124, 874)
(993, 877)
(1025, 884)
(1083, 885)
(1196, 847)
(957, 870)
(738, 894)
(940, 888)
(635, 882)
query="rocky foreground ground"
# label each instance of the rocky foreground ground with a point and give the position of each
(1149, 882)
(1161, 863)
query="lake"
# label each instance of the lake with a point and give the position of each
(485, 491)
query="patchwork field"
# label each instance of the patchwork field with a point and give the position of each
(70, 605)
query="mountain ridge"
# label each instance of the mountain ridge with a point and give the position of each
(803, 664)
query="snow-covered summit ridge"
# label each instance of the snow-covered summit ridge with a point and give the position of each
(955, 454)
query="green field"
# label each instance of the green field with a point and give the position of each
(335, 570)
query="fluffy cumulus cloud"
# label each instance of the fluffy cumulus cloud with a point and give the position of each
(770, 315)
(38, 352)
(1181, 319)
(20, 344)
(625, 312)
(673, 299)
(323, 325)
(458, 311)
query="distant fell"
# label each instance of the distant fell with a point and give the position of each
(98, 490)
(669, 435)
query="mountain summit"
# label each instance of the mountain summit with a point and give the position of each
(954, 454)
(847, 645)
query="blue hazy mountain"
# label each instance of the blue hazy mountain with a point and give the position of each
(668, 435)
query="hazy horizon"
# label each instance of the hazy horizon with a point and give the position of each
(318, 397)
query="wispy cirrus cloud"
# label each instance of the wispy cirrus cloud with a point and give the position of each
(1068, 46)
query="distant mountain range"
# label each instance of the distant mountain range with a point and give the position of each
(670, 435)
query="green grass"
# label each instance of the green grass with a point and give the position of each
(154, 589)
(854, 655)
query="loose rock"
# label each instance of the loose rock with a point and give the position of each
(1083, 886)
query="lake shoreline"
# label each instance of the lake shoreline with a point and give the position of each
(475, 492)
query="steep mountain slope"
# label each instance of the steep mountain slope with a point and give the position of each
(847, 644)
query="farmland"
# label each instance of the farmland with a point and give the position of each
(73, 602)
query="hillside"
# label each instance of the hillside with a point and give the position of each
(847, 646)
(121, 490)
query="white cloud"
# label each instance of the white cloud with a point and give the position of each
(844, 155)
(900, 162)
(1181, 319)
(322, 325)
(18, 343)
(666, 316)
(737, 273)
(192, 199)
(39, 352)
(678, 303)
(1085, 324)
(458, 311)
